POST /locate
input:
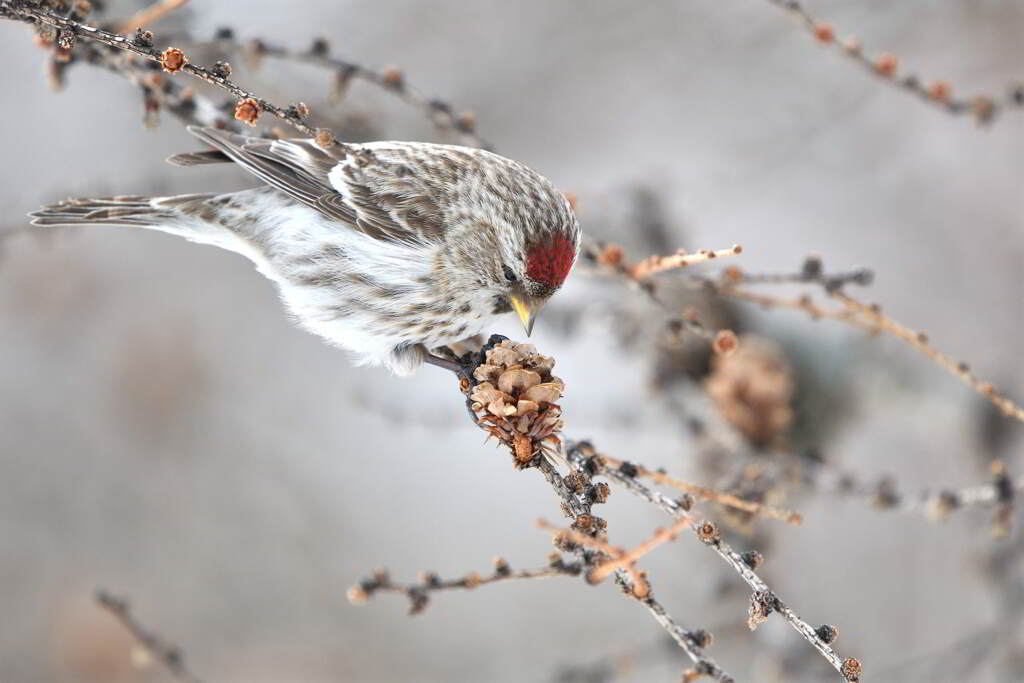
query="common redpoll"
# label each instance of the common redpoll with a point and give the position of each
(387, 249)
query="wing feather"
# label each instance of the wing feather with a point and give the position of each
(373, 196)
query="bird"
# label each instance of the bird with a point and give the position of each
(390, 250)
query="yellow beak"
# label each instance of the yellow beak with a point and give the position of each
(526, 311)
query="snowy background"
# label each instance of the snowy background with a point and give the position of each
(166, 433)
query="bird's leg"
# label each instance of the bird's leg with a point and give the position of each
(463, 366)
(446, 363)
(463, 369)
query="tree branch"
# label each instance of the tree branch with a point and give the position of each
(885, 67)
(249, 108)
(865, 316)
(441, 113)
(418, 593)
(584, 455)
(170, 656)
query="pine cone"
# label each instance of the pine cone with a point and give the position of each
(515, 400)
(752, 388)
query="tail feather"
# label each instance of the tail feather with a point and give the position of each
(151, 212)
(136, 211)
(185, 202)
(188, 215)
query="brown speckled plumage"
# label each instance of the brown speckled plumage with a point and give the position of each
(388, 249)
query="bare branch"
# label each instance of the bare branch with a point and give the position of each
(418, 593)
(170, 656)
(919, 341)
(249, 108)
(151, 14)
(705, 493)
(865, 316)
(584, 456)
(613, 256)
(937, 505)
(441, 113)
(611, 259)
(619, 557)
(886, 67)
(578, 494)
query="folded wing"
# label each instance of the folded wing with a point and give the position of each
(348, 183)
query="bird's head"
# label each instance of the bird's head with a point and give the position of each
(519, 236)
(534, 273)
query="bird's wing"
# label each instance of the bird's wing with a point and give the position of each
(350, 185)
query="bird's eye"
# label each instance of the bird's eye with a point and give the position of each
(509, 275)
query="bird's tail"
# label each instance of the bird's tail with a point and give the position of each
(183, 215)
(143, 212)
(132, 210)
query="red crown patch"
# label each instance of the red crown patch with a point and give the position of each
(548, 263)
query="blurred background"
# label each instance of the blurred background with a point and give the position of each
(166, 433)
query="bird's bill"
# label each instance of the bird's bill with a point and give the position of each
(527, 311)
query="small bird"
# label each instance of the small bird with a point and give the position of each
(388, 249)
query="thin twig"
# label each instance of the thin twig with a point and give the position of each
(937, 505)
(738, 562)
(802, 303)
(578, 508)
(709, 494)
(418, 593)
(886, 67)
(612, 259)
(864, 316)
(620, 558)
(919, 341)
(250, 105)
(867, 316)
(613, 256)
(441, 113)
(170, 656)
(150, 15)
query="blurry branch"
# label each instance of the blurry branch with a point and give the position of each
(613, 256)
(418, 593)
(498, 383)
(509, 387)
(170, 656)
(1001, 493)
(803, 303)
(578, 495)
(705, 493)
(763, 600)
(919, 341)
(151, 14)
(886, 67)
(510, 392)
(392, 80)
(866, 316)
(619, 559)
(66, 33)
(786, 467)
(611, 259)
(159, 92)
(172, 60)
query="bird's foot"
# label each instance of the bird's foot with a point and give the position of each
(451, 364)
(464, 365)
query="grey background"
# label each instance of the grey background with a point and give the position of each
(166, 433)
